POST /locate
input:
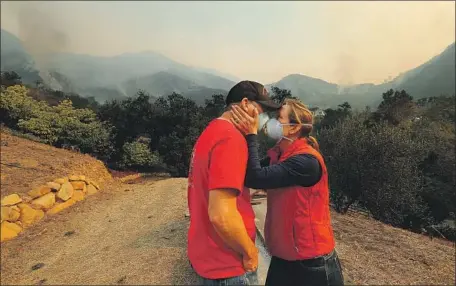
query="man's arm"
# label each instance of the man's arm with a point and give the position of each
(228, 163)
(228, 223)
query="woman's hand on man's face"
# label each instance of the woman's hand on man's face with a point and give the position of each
(243, 121)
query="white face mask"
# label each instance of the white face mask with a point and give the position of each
(262, 119)
(274, 129)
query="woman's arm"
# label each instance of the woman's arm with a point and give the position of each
(265, 161)
(303, 170)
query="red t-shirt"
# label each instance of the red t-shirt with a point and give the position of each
(219, 161)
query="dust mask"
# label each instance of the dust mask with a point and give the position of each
(274, 129)
(262, 119)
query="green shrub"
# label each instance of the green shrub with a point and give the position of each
(56, 125)
(138, 154)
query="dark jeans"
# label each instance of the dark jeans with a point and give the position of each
(249, 278)
(320, 271)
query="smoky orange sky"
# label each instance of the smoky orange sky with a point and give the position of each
(340, 42)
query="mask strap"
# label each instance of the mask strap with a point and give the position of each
(302, 124)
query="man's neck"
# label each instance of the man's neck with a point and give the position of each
(226, 116)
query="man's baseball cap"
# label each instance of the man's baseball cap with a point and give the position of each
(253, 91)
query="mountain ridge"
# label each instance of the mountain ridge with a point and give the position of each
(155, 73)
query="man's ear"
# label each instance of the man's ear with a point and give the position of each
(244, 103)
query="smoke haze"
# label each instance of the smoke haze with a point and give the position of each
(340, 42)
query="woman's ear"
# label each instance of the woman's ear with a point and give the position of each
(295, 129)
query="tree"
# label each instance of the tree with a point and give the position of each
(214, 107)
(181, 122)
(10, 78)
(396, 107)
(377, 167)
(137, 154)
(436, 127)
(130, 118)
(333, 116)
(279, 95)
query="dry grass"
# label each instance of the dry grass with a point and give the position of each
(120, 237)
(373, 253)
(26, 164)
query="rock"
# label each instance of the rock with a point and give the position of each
(78, 195)
(61, 181)
(45, 202)
(73, 178)
(69, 233)
(54, 186)
(122, 280)
(29, 215)
(10, 214)
(9, 230)
(60, 207)
(94, 184)
(40, 191)
(11, 200)
(37, 266)
(26, 199)
(65, 192)
(91, 189)
(84, 190)
(78, 185)
(77, 178)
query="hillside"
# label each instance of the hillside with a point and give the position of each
(160, 83)
(114, 77)
(26, 164)
(165, 83)
(15, 57)
(119, 76)
(433, 78)
(140, 223)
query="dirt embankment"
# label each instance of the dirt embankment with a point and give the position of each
(26, 165)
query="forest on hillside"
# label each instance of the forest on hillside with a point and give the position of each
(397, 162)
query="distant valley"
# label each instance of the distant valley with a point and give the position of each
(122, 76)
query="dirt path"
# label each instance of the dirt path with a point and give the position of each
(136, 234)
(128, 234)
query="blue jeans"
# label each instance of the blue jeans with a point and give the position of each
(249, 278)
(320, 271)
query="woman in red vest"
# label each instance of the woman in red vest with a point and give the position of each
(298, 231)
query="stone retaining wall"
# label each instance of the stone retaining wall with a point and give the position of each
(20, 212)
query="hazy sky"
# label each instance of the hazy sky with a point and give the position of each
(340, 42)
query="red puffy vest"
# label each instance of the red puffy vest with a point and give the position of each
(298, 223)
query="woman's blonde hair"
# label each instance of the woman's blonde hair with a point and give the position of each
(300, 114)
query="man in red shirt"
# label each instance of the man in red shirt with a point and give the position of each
(221, 237)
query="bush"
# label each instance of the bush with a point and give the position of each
(16, 105)
(56, 125)
(138, 154)
(378, 167)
